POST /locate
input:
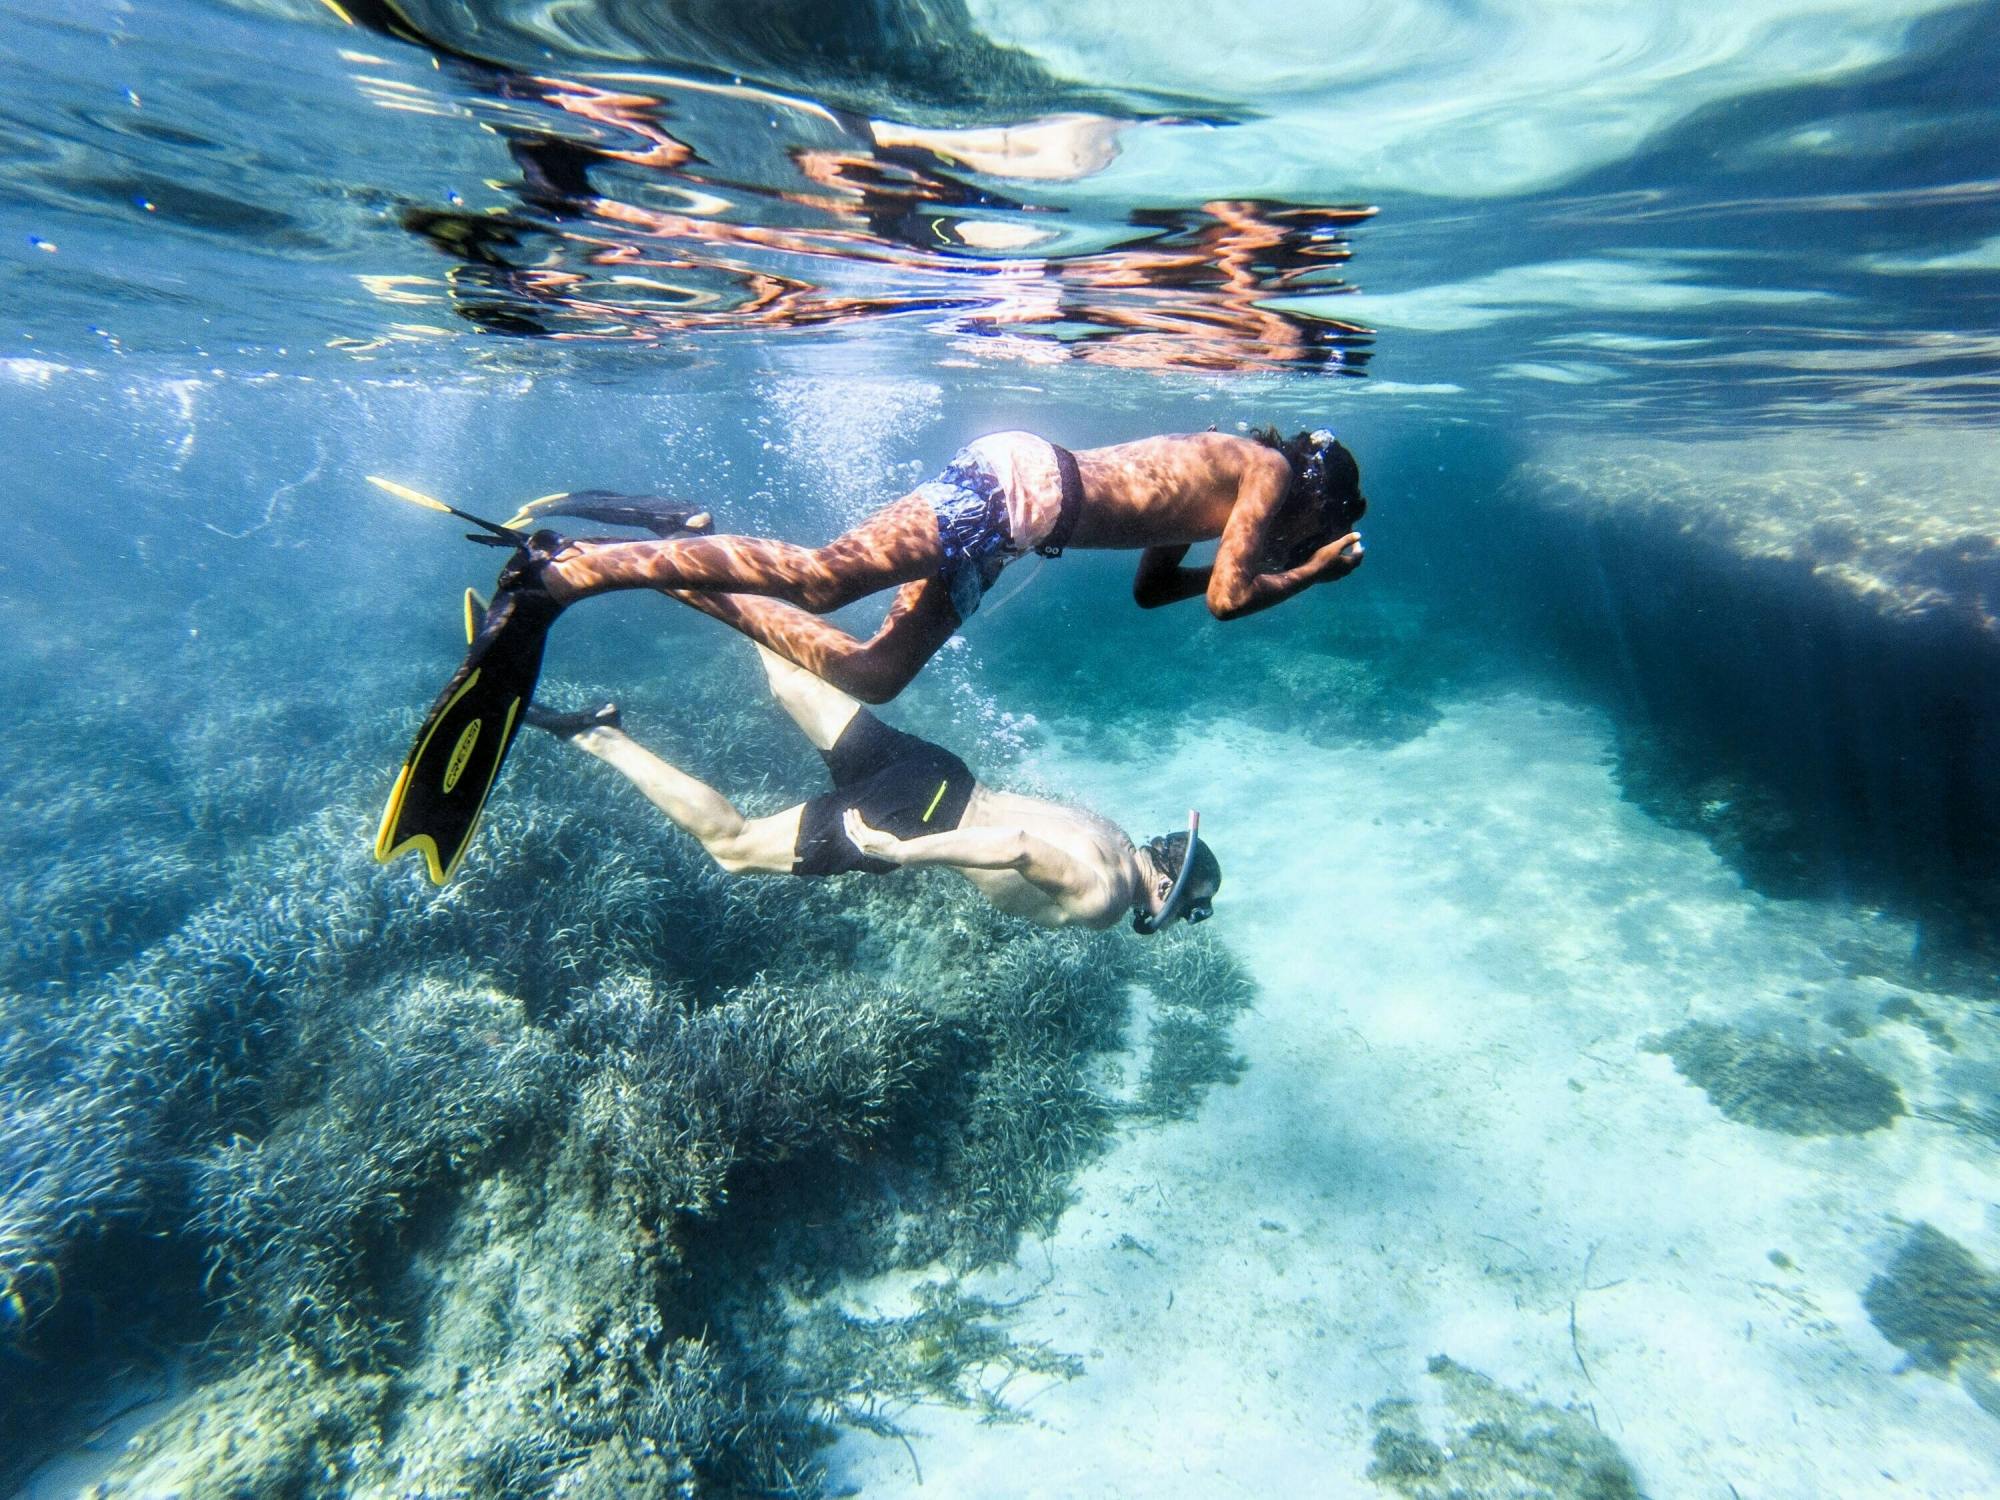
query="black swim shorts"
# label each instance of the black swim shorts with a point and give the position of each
(897, 782)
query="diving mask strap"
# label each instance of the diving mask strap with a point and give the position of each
(1172, 906)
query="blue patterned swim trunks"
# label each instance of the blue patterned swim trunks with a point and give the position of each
(971, 508)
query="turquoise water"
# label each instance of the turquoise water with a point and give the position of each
(1587, 1085)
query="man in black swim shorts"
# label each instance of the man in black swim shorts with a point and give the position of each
(899, 800)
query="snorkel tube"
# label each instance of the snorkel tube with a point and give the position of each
(1176, 903)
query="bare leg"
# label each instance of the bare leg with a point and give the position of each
(821, 710)
(897, 545)
(742, 846)
(875, 670)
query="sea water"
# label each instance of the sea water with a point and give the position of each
(1590, 1082)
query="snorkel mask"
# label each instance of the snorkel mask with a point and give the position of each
(1177, 904)
(1313, 475)
(1335, 516)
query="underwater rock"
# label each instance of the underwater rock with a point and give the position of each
(1903, 525)
(268, 1430)
(1937, 1304)
(1792, 632)
(1777, 1086)
(1504, 1446)
(1746, 823)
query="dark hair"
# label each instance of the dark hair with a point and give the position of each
(1331, 487)
(1169, 849)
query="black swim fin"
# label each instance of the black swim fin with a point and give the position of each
(569, 726)
(655, 513)
(451, 769)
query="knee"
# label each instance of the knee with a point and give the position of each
(749, 849)
(874, 680)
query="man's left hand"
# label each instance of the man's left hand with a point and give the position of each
(1336, 559)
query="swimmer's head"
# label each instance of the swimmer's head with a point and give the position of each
(1160, 861)
(1325, 500)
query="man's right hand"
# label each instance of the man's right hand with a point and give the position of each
(1336, 559)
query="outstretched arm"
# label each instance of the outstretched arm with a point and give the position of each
(1036, 860)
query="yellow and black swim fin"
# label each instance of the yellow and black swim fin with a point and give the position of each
(659, 514)
(440, 792)
(435, 804)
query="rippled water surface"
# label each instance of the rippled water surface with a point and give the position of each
(1640, 210)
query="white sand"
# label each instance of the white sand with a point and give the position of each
(1448, 1136)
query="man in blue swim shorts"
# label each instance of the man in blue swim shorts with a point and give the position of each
(1282, 509)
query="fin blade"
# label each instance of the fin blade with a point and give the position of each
(662, 515)
(442, 788)
(415, 497)
(387, 843)
(539, 506)
(431, 502)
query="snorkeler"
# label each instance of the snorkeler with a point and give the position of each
(902, 801)
(1284, 510)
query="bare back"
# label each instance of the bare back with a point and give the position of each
(1174, 490)
(1158, 496)
(1102, 879)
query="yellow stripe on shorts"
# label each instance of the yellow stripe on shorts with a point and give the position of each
(936, 800)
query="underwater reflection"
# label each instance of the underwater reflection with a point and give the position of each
(671, 205)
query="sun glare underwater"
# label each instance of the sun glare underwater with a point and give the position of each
(1588, 1084)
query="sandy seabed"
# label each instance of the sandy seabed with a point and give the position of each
(1450, 1140)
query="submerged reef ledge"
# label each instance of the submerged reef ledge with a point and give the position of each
(1905, 524)
(1798, 634)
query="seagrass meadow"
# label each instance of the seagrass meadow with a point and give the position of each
(541, 1179)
